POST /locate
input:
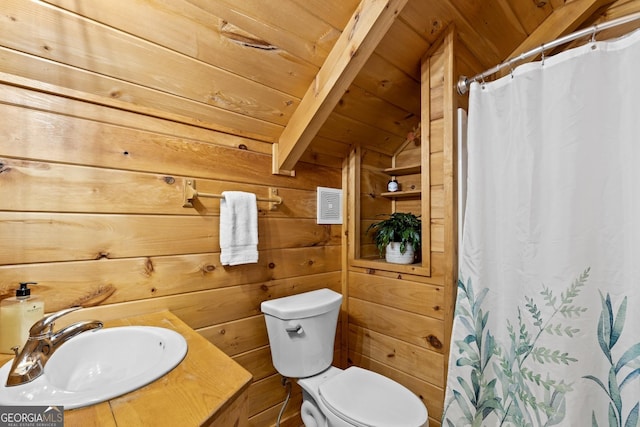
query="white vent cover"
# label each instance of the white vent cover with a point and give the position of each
(329, 207)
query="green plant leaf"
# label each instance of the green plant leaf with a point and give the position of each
(597, 381)
(614, 390)
(471, 396)
(629, 356)
(632, 375)
(558, 408)
(484, 318)
(399, 227)
(465, 361)
(480, 323)
(603, 334)
(489, 406)
(467, 324)
(487, 350)
(463, 405)
(547, 294)
(619, 322)
(607, 312)
(546, 355)
(475, 383)
(632, 418)
(613, 418)
(479, 300)
(534, 311)
(469, 339)
(470, 292)
(461, 311)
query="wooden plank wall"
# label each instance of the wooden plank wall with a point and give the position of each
(399, 324)
(92, 168)
(93, 157)
(92, 211)
(394, 317)
(396, 321)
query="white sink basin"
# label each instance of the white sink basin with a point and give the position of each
(99, 365)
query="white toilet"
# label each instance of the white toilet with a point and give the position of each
(302, 330)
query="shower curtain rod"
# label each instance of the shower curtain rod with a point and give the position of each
(464, 82)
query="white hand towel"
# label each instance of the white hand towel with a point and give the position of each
(238, 228)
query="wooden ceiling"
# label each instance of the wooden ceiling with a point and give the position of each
(287, 49)
(312, 76)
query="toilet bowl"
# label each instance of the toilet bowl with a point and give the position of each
(358, 397)
(301, 331)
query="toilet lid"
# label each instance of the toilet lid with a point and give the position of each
(367, 399)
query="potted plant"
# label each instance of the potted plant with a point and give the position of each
(398, 237)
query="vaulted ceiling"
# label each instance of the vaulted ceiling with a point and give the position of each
(313, 77)
(347, 71)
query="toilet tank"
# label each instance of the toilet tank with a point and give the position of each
(302, 330)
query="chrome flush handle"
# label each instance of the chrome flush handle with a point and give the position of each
(296, 329)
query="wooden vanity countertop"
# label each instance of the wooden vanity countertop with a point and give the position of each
(207, 388)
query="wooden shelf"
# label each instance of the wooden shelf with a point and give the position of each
(399, 171)
(381, 264)
(402, 194)
(403, 170)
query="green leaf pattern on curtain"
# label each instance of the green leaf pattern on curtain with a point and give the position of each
(509, 385)
(627, 368)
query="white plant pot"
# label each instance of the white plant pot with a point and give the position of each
(392, 253)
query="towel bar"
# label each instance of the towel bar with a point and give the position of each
(191, 193)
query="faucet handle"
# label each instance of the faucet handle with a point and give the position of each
(41, 325)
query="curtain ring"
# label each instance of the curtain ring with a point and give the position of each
(482, 83)
(592, 41)
(542, 53)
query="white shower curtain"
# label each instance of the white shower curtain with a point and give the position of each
(547, 321)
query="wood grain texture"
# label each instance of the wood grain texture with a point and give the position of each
(360, 37)
(243, 68)
(206, 388)
(97, 220)
(104, 115)
(87, 45)
(399, 293)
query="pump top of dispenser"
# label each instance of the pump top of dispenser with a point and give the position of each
(24, 292)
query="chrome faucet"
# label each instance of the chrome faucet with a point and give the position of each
(42, 342)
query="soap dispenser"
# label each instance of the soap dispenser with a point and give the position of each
(17, 315)
(392, 185)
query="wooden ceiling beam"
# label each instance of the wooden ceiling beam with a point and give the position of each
(357, 42)
(562, 21)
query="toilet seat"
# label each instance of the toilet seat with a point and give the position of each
(367, 399)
